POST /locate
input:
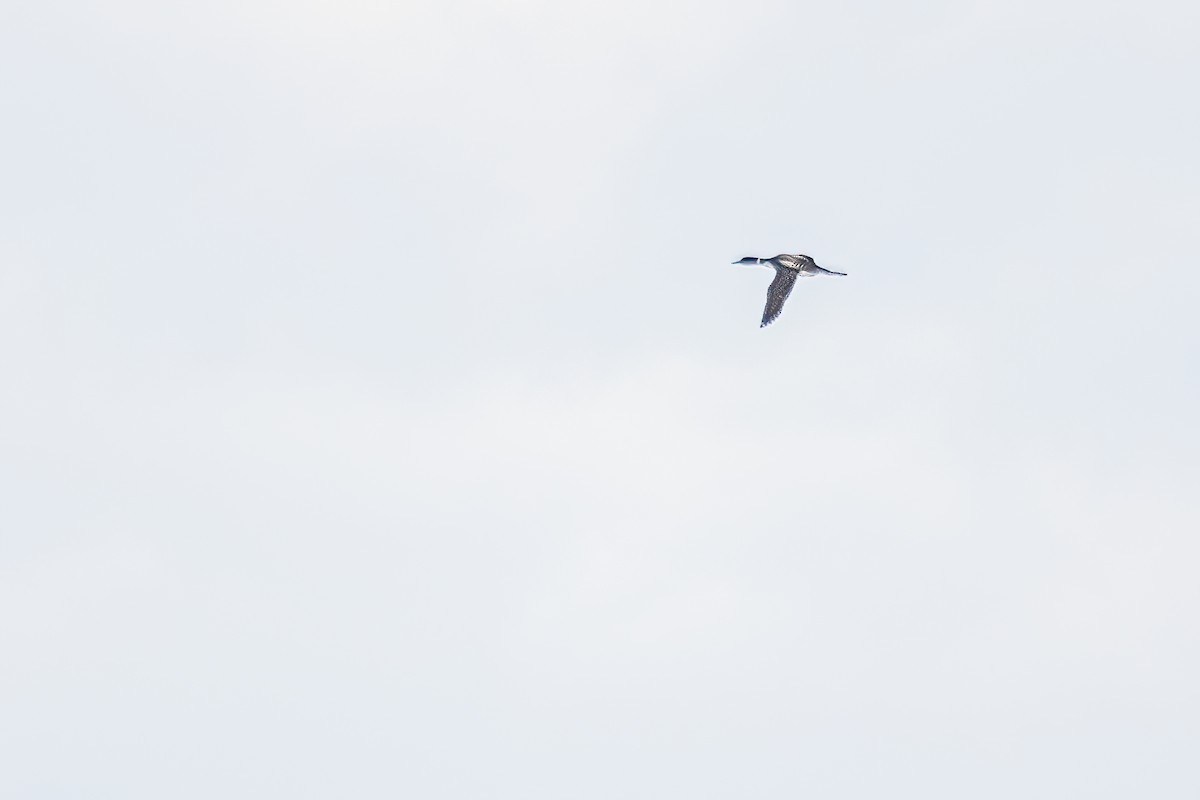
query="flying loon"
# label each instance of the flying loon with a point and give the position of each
(787, 269)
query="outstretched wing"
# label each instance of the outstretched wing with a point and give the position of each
(780, 288)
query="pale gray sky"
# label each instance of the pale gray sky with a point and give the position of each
(381, 415)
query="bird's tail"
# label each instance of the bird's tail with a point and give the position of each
(831, 272)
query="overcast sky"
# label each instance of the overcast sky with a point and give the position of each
(381, 416)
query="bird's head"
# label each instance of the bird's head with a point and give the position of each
(747, 260)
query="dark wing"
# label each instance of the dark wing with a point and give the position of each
(780, 288)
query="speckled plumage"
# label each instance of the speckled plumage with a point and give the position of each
(787, 268)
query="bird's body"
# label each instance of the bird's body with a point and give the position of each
(787, 268)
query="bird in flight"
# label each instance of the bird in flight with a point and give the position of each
(787, 269)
